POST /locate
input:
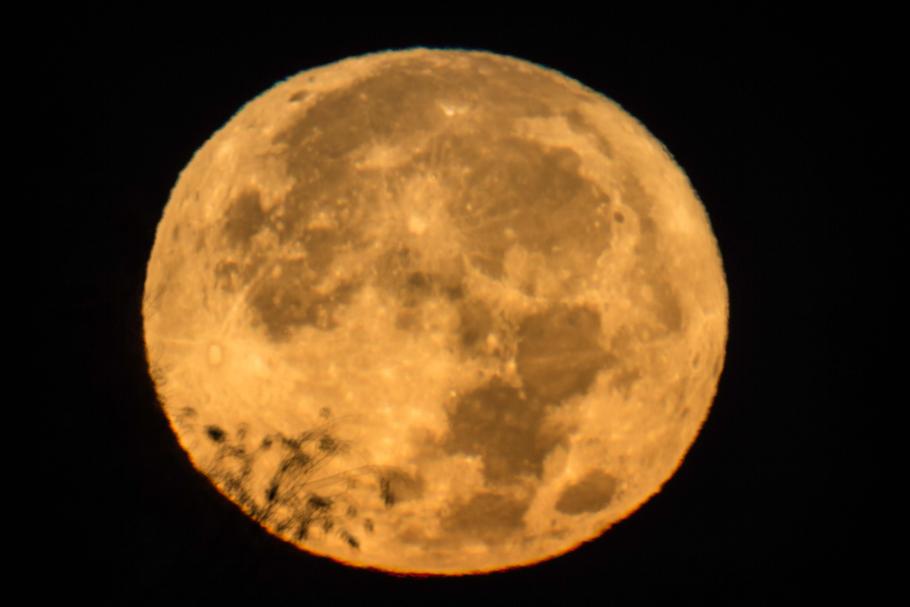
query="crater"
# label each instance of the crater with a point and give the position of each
(593, 492)
(559, 354)
(504, 428)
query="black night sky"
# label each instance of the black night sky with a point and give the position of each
(771, 121)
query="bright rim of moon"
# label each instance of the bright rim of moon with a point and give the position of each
(435, 312)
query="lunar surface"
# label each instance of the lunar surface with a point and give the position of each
(435, 312)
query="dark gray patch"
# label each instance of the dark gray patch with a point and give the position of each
(415, 288)
(289, 301)
(535, 191)
(559, 355)
(486, 516)
(454, 292)
(403, 275)
(666, 306)
(497, 423)
(408, 320)
(244, 217)
(590, 494)
(648, 237)
(512, 89)
(281, 309)
(326, 185)
(419, 283)
(396, 103)
(390, 104)
(322, 246)
(400, 273)
(403, 99)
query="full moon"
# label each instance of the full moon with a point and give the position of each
(435, 311)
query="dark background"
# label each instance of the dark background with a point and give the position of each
(771, 119)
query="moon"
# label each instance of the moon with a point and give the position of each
(435, 312)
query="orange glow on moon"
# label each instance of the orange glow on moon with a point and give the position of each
(435, 312)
